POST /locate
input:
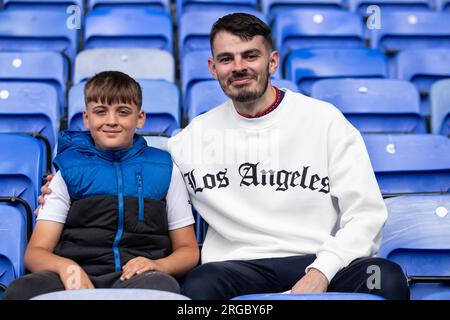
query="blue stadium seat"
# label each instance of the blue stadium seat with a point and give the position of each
(272, 8)
(132, 28)
(37, 30)
(410, 163)
(31, 108)
(310, 296)
(416, 236)
(412, 30)
(138, 63)
(443, 5)
(374, 105)
(320, 28)
(440, 107)
(304, 66)
(161, 102)
(208, 94)
(163, 5)
(444, 295)
(195, 26)
(46, 67)
(183, 6)
(389, 5)
(59, 5)
(423, 68)
(157, 141)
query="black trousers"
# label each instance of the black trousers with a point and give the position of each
(38, 283)
(228, 279)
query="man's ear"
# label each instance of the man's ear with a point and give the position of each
(274, 62)
(212, 68)
(85, 119)
(141, 119)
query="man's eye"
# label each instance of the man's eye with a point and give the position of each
(225, 60)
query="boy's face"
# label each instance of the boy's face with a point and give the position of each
(113, 126)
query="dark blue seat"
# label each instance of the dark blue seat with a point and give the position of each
(443, 295)
(133, 28)
(443, 5)
(410, 163)
(271, 8)
(183, 6)
(37, 30)
(31, 108)
(423, 68)
(310, 296)
(59, 5)
(374, 105)
(412, 30)
(163, 5)
(389, 5)
(320, 28)
(304, 66)
(440, 107)
(161, 103)
(45, 67)
(416, 237)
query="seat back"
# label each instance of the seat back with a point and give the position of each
(163, 5)
(183, 6)
(440, 107)
(310, 296)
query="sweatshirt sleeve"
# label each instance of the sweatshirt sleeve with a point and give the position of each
(361, 206)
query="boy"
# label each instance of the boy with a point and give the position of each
(105, 224)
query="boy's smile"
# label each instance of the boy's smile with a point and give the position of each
(113, 126)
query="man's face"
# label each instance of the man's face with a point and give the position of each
(113, 126)
(242, 67)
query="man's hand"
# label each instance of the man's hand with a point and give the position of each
(45, 190)
(140, 265)
(313, 281)
(74, 277)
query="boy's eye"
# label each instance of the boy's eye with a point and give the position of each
(99, 111)
(124, 112)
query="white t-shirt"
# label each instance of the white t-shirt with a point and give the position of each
(179, 210)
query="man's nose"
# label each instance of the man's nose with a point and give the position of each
(239, 65)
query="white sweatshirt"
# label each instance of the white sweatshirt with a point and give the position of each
(295, 181)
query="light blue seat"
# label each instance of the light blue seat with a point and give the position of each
(157, 141)
(389, 5)
(208, 94)
(132, 28)
(410, 163)
(412, 30)
(319, 28)
(423, 68)
(46, 67)
(183, 6)
(161, 103)
(37, 30)
(443, 5)
(374, 105)
(195, 26)
(31, 108)
(163, 5)
(271, 8)
(416, 237)
(444, 295)
(310, 296)
(138, 63)
(440, 107)
(111, 294)
(304, 66)
(59, 5)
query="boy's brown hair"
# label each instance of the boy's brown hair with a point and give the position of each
(112, 87)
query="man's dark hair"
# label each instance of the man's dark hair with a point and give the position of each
(243, 25)
(111, 87)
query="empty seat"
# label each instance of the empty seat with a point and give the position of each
(321, 28)
(304, 66)
(163, 5)
(133, 28)
(440, 107)
(416, 237)
(389, 5)
(272, 8)
(138, 63)
(195, 27)
(160, 101)
(443, 5)
(202, 5)
(409, 164)
(60, 5)
(423, 68)
(412, 30)
(194, 68)
(37, 30)
(31, 108)
(310, 296)
(45, 67)
(157, 141)
(444, 295)
(374, 105)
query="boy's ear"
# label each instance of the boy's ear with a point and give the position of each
(85, 119)
(141, 119)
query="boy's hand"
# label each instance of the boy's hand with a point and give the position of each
(74, 277)
(140, 265)
(45, 190)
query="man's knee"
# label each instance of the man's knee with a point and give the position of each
(387, 279)
(204, 282)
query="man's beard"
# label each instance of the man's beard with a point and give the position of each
(244, 94)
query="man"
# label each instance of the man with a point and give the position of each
(284, 182)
